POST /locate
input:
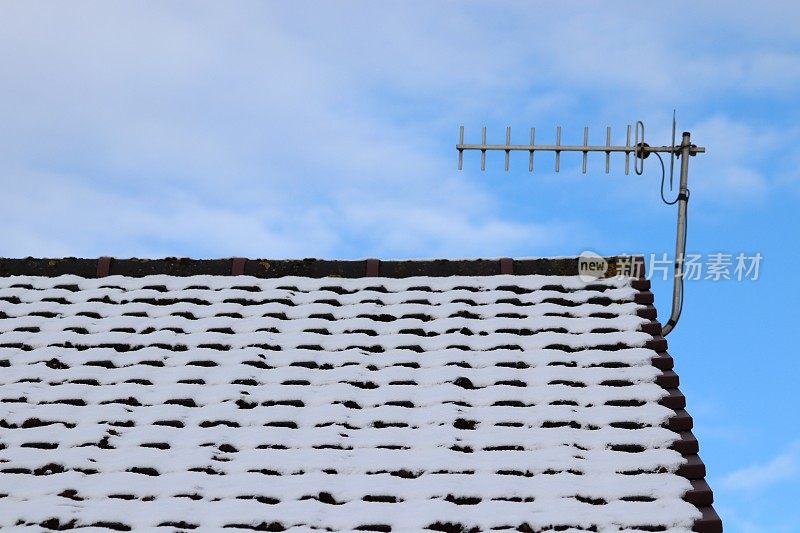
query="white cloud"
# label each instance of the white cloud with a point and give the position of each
(732, 169)
(783, 467)
(307, 128)
(235, 138)
(52, 215)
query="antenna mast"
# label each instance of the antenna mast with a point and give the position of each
(640, 151)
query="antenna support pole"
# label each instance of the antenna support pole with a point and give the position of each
(680, 240)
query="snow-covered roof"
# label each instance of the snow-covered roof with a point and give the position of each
(474, 403)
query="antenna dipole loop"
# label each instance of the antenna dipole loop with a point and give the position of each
(639, 154)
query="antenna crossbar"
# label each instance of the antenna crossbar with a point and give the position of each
(640, 150)
(574, 148)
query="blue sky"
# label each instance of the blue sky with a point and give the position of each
(302, 129)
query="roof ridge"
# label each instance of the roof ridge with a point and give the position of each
(309, 267)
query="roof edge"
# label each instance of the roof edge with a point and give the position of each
(693, 468)
(312, 268)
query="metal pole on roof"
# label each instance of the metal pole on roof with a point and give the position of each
(680, 242)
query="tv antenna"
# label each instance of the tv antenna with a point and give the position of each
(640, 151)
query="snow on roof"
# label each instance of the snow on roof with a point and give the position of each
(449, 403)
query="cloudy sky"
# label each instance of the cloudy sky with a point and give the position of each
(322, 129)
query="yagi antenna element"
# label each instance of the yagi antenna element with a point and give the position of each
(640, 151)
